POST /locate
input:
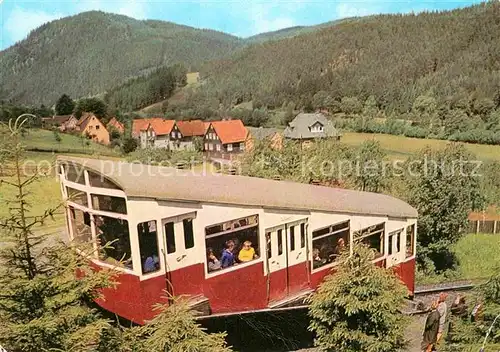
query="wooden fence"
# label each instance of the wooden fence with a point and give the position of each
(484, 226)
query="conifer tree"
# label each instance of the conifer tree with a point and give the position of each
(174, 329)
(357, 308)
(42, 304)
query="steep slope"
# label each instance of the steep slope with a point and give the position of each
(396, 58)
(93, 51)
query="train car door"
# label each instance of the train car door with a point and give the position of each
(286, 258)
(179, 250)
(396, 248)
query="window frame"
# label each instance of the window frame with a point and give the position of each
(158, 248)
(229, 147)
(330, 233)
(362, 236)
(413, 235)
(222, 271)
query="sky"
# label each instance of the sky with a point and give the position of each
(239, 17)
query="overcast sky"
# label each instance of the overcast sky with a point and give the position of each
(238, 17)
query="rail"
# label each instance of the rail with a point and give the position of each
(462, 285)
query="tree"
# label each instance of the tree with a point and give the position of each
(444, 187)
(174, 329)
(370, 108)
(57, 136)
(351, 105)
(94, 105)
(129, 144)
(42, 304)
(371, 172)
(65, 105)
(357, 308)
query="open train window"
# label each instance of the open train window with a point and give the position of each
(114, 238)
(373, 237)
(395, 242)
(410, 240)
(148, 246)
(232, 242)
(74, 173)
(80, 224)
(109, 203)
(97, 180)
(329, 242)
(77, 196)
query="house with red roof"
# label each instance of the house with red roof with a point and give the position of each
(117, 125)
(170, 134)
(91, 127)
(225, 139)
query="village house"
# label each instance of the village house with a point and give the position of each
(225, 139)
(189, 130)
(62, 122)
(168, 134)
(273, 135)
(308, 127)
(117, 125)
(158, 133)
(91, 127)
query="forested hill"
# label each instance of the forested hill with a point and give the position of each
(93, 51)
(452, 56)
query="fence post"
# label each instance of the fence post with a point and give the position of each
(477, 226)
(495, 226)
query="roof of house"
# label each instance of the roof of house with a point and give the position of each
(59, 119)
(116, 124)
(230, 131)
(300, 127)
(84, 120)
(261, 133)
(159, 125)
(155, 182)
(191, 128)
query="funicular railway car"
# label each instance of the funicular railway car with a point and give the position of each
(226, 243)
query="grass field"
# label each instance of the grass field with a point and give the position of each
(477, 257)
(44, 140)
(400, 147)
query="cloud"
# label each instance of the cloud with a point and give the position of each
(358, 9)
(264, 19)
(20, 22)
(137, 9)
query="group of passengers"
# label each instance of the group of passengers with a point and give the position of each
(231, 255)
(327, 253)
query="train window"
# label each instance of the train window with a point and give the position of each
(395, 242)
(188, 233)
(232, 242)
(170, 237)
(109, 203)
(280, 242)
(77, 196)
(97, 180)
(373, 237)
(292, 238)
(410, 240)
(148, 246)
(329, 242)
(302, 235)
(74, 173)
(80, 223)
(114, 237)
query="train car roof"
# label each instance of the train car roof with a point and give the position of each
(166, 183)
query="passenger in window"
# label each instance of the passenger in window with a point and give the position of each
(247, 253)
(152, 263)
(339, 248)
(317, 261)
(227, 258)
(213, 262)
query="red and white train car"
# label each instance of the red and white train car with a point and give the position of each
(163, 222)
